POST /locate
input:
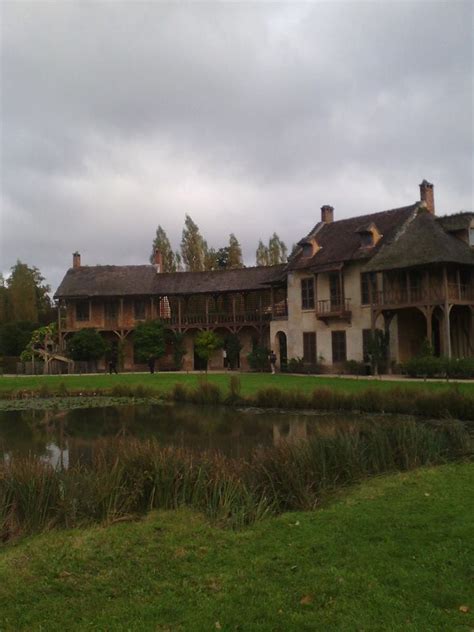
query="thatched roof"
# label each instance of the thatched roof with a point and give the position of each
(422, 242)
(340, 241)
(89, 281)
(457, 221)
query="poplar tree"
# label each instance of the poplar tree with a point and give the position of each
(162, 243)
(27, 295)
(193, 246)
(262, 254)
(234, 259)
(277, 251)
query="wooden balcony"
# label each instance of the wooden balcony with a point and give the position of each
(406, 297)
(334, 309)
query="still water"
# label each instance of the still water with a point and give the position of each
(66, 437)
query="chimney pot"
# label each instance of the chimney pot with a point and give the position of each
(427, 195)
(76, 260)
(327, 214)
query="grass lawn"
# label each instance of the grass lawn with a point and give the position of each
(393, 554)
(251, 382)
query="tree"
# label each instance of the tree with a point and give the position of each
(27, 295)
(193, 246)
(273, 254)
(14, 337)
(233, 348)
(177, 341)
(277, 251)
(162, 243)
(234, 253)
(205, 343)
(149, 340)
(210, 258)
(4, 307)
(86, 345)
(261, 255)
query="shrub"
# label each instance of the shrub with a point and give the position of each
(86, 344)
(149, 340)
(352, 367)
(298, 365)
(235, 389)
(205, 393)
(258, 359)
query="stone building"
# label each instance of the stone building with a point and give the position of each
(403, 271)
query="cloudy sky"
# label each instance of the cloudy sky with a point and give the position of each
(119, 116)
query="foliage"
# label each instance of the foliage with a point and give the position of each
(258, 359)
(429, 366)
(206, 343)
(234, 253)
(42, 338)
(233, 348)
(28, 298)
(276, 252)
(210, 258)
(14, 337)
(176, 339)
(162, 243)
(352, 367)
(193, 246)
(86, 345)
(149, 340)
(298, 365)
(377, 349)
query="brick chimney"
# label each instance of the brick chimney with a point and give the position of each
(76, 260)
(327, 214)
(427, 195)
(158, 261)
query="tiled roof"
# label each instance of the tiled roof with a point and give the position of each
(88, 281)
(340, 241)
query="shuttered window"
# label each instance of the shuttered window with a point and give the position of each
(307, 293)
(339, 346)
(309, 347)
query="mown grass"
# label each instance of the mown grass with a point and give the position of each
(164, 382)
(129, 477)
(392, 554)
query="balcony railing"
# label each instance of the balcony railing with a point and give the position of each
(336, 307)
(416, 295)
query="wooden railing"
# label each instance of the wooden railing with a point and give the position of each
(336, 306)
(414, 295)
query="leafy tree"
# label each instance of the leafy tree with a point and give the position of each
(233, 348)
(210, 258)
(4, 308)
(222, 258)
(162, 243)
(205, 343)
(276, 252)
(234, 253)
(27, 295)
(86, 345)
(262, 254)
(149, 340)
(14, 337)
(193, 246)
(176, 339)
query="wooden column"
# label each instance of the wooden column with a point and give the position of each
(234, 316)
(447, 309)
(179, 313)
(152, 308)
(60, 337)
(341, 289)
(458, 282)
(429, 325)
(408, 287)
(207, 310)
(121, 313)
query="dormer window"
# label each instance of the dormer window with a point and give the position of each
(369, 235)
(307, 250)
(366, 240)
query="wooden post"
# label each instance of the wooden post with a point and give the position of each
(447, 309)
(234, 316)
(121, 313)
(408, 287)
(179, 313)
(60, 336)
(152, 308)
(458, 282)
(429, 324)
(207, 310)
(272, 299)
(341, 289)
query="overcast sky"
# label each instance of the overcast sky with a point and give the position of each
(119, 116)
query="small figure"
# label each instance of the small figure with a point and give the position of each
(151, 364)
(272, 357)
(224, 355)
(113, 366)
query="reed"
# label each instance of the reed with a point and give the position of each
(127, 478)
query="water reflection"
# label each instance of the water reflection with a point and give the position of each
(67, 437)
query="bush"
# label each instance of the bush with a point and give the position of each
(85, 345)
(352, 367)
(432, 366)
(258, 359)
(235, 388)
(298, 365)
(205, 393)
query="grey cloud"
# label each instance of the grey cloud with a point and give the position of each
(117, 117)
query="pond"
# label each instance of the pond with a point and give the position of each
(66, 437)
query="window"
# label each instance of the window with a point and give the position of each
(368, 282)
(366, 239)
(335, 291)
(82, 311)
(307, 250)
(309, 347)
(139, 310)
(307, 293)
(111, 310)
(339, 346)
(471, 236)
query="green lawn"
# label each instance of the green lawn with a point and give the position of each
(393, 554)
(251, 382)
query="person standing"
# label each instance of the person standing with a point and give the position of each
(151, 364)
(272, 357)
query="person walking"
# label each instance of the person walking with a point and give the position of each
(151, 364)
(272, 357)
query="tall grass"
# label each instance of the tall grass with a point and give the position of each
(128, 478)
